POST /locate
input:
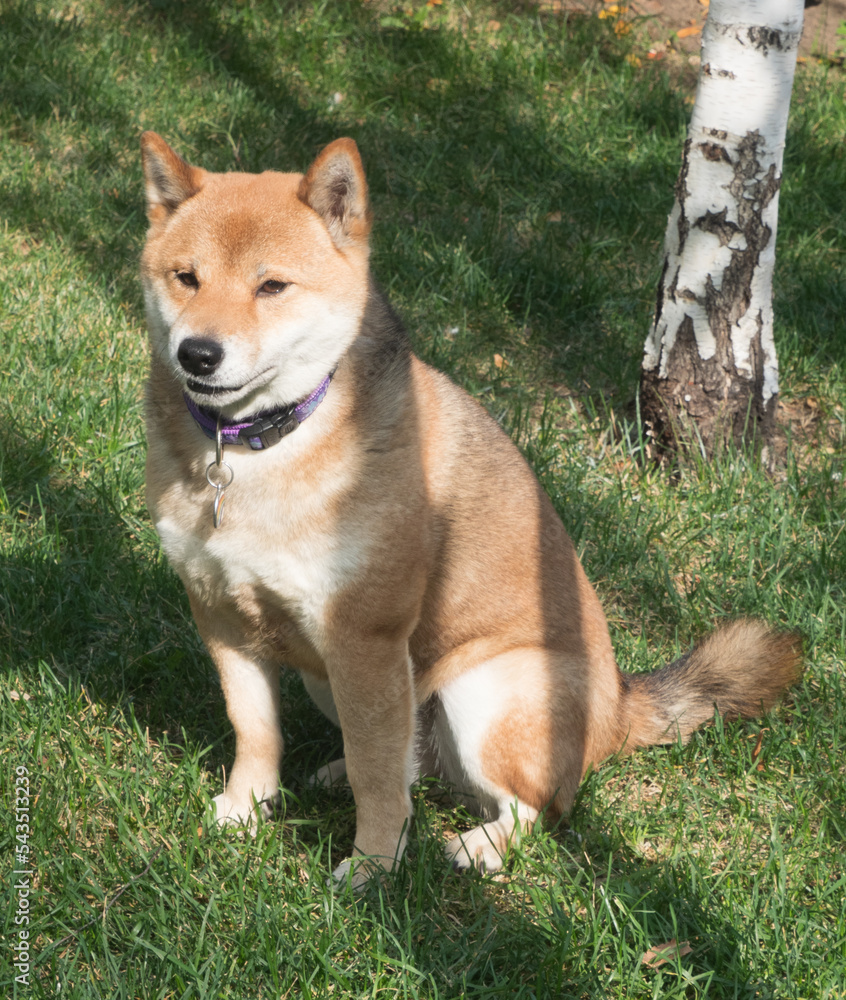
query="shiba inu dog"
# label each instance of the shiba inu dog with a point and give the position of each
(335, 505)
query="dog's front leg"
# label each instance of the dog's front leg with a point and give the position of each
(251, 690)
(373, 692)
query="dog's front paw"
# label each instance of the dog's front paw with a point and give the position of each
(356, 872)
(229, 811)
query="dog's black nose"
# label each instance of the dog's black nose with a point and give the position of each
(199, 356)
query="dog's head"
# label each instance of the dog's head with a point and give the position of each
(255, 284)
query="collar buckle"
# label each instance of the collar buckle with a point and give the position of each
(267, 431)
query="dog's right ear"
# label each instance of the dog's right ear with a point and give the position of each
(169, 179)
(335, 187)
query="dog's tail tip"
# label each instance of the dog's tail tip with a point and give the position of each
(768, 658)
(742, 669)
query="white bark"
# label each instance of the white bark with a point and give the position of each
(730, 183)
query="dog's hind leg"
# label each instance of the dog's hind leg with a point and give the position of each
(503, 743)
(320, 692)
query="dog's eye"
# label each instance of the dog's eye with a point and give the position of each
(272, 287)
(188, 279)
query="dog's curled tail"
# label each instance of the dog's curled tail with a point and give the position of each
(742, 669)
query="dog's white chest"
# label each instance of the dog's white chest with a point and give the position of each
(226, 563)
(281, 562)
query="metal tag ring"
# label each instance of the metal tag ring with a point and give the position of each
(219, 465)
(218, 444)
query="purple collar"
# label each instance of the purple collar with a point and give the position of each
(264, 429)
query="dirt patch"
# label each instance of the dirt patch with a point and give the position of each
(679, 23)
(810, 430)
(675, 26)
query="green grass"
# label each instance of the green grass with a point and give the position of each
(521, 178)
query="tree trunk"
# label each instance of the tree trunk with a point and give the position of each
(710, 372)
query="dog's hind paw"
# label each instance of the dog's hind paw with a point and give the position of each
(330, 775)
(480, 848)
(484, 847)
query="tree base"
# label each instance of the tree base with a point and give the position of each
(703, 408)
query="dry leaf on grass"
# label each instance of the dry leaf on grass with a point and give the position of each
(663, 953)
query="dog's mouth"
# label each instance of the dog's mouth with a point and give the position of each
(227, 392)
(203, 389)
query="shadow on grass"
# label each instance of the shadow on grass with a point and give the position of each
(462, 138)
(527, 937)
(105, 610)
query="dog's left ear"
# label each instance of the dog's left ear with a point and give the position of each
(335, 187)
(169, 179)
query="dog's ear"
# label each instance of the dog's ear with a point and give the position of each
(169, 179)
(335, 187)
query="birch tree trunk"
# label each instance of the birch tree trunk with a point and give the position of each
(710, 372)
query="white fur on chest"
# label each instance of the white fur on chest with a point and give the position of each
(278, 543)
(305, 573)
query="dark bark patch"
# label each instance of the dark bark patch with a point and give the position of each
(766, 38)
(682, 194)
(721, 74)
(659, 298)
(718, 225)
(714, 152)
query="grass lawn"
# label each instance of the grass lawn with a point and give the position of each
(521, 169)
